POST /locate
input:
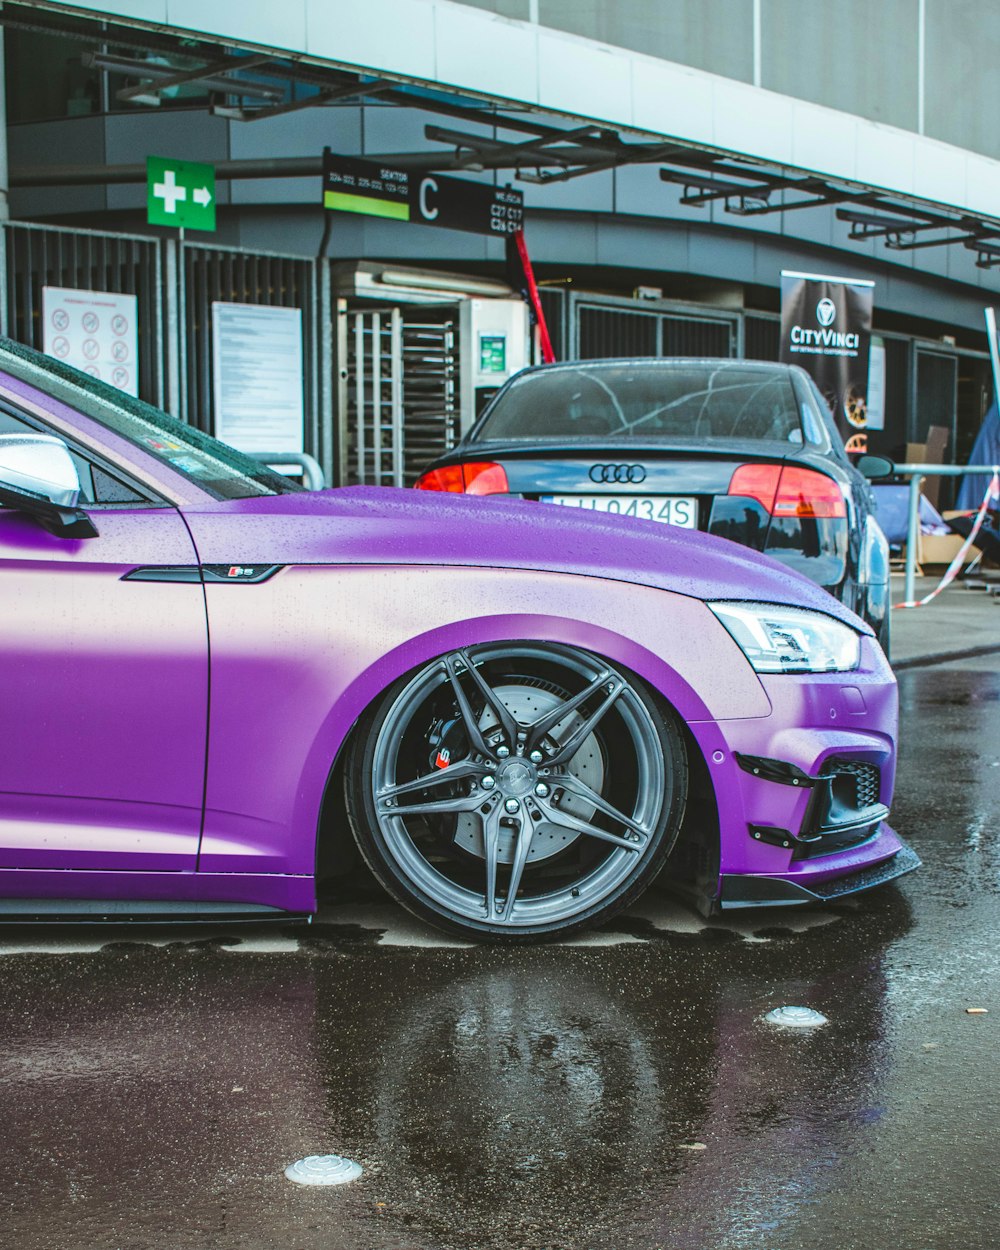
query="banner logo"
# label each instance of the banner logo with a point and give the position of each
(826, 312)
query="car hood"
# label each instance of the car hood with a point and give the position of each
(386, 526)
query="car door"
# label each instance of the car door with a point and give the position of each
(104, 690)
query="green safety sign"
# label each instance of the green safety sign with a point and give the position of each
(492, 353)
(180, 193)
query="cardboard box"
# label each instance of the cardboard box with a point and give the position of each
(943, 548)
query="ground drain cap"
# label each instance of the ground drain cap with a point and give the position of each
(323, 1170)
(796, 1018)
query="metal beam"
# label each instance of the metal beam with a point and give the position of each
(95, 175)
(353, 90)
(229, 66)
(160, 75)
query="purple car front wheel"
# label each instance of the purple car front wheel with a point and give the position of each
(517, 790)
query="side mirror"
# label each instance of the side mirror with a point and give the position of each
(38, 476)
(875, 467)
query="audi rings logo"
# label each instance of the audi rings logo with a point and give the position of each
(618, 474)
(826, 312)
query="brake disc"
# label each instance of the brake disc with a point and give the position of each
(526, 703)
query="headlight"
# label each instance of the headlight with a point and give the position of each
(789, 640)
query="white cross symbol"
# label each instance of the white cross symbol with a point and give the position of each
(169, 192)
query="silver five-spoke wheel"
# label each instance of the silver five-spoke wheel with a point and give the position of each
(517, 790)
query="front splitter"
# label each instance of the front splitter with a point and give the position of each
(757, 891)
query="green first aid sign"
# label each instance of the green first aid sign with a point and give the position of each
(180, 193)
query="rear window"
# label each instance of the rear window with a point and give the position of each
(647, 402)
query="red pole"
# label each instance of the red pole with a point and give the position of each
(548, 355)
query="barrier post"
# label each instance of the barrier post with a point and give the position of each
(912, 536)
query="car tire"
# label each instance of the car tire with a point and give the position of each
(516, 791)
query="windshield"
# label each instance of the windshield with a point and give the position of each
(652, 400)
(217, 468)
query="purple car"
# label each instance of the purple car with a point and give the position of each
(522, 717)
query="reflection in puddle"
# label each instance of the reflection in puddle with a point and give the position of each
(553, 1097)
(556, 1099)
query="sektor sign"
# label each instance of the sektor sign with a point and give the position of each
(375, 190)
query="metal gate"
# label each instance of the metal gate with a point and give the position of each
(93, 260)
(761, 336)
(608, 327)
(398, 393)
(231, 275)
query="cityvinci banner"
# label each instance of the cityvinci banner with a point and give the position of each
(826, 328)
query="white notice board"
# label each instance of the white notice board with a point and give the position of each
(95, 331)
(257, 376)
(875, 419)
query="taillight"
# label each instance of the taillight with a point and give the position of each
(479, 477)
(483, 478)
(448, 478)
(806, 493)
(756, 481)
(791, 491)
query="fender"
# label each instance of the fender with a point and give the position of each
(303, 656)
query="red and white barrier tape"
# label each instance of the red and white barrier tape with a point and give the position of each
(951, 572)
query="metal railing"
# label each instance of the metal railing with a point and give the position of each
(917, 474)
(311, 471)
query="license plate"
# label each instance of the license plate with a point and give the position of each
(670, 510)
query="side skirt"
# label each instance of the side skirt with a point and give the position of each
(138, 911)
(84, 895)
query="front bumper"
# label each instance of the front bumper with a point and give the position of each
(803, 794)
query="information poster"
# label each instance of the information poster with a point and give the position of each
(95, 331)
(876, 384)
(257, 376)
(826, 327)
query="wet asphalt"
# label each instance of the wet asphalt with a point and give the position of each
(614, 1092)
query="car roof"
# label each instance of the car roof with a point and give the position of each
(664, 362)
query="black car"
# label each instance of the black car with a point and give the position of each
(742, 449)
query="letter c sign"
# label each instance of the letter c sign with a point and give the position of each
(426, 210)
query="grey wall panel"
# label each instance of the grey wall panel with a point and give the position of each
(506, 8)
(853, 55)
(42, 203)
(564, 239)
(933, 260)
(183, 134)
(591, 192)
(809, 227)
(276, 191)
(416, 244)
(75, 141)
(187, 134)
(962, 94)
(647, 248)
(721, 256)
(296, 134)
(715, 35)
(866, 250)
(387, 128)
(639, 190)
